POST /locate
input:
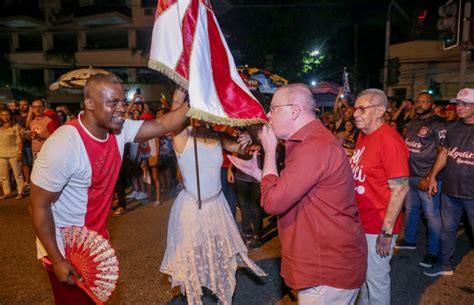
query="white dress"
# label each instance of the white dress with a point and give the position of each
(204, 246)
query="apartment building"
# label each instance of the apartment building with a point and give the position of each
(43, 39)
(423, 62)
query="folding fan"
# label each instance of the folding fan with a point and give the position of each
(94, 259)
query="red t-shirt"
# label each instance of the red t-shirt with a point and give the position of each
(380, 156)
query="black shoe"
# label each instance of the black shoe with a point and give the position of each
(437, 269)
(429, 261)
(403, 244)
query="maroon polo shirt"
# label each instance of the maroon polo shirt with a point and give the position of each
(322, 239)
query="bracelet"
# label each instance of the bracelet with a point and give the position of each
(386, 234)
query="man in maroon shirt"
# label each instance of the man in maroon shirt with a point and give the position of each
(324, 251)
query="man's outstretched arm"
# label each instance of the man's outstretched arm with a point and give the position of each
(167, 123)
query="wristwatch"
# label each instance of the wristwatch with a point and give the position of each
(386, 234)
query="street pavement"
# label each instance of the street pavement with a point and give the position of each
(139, 238)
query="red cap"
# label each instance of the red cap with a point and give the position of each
(450, 107)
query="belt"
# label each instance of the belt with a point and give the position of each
(212, 198)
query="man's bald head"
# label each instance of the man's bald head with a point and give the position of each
(301, 95)
(95, 80)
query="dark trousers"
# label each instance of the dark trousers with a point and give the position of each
(228, 191)
(451, 213)
(121, 185)
(248, 194)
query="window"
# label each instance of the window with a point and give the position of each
(30, 42)
(107, 39)
(65, 42)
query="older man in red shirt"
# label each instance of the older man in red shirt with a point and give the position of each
(324, 252)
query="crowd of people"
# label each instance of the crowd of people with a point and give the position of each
(364, 162)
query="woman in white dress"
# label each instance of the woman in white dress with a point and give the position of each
(204, 246)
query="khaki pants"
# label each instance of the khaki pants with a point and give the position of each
(5, 163)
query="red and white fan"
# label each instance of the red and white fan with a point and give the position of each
(94, 259)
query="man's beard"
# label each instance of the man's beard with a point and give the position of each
(425, 112)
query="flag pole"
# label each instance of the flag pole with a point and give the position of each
(196, 159)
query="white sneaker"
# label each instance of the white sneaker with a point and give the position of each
(133, 195)
(141, 196)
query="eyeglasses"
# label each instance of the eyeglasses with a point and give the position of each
(274, 107)
(362, 109)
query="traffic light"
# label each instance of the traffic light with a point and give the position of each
(393, 71)
(449, 23)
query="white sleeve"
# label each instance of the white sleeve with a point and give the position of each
(57, 160)
(128, 133)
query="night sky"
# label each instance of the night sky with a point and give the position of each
(285, 29)
(277, 33)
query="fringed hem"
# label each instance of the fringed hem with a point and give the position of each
(162, 68)
(212, 118)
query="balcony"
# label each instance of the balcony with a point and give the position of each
(96, 58)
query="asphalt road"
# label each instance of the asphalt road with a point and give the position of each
(139, 238)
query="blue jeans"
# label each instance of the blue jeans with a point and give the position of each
(451, 212)
(431, 207)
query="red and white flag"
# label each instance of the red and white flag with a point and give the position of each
(189, 47)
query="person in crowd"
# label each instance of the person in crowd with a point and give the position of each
(68, 114)
(166, 159)
(153, 167)
(324, 252)
(227, 181)
(347, 137)
(450, 114)
(11, 150)
(404, 113)
(438, 110)
(392, 106)
(41, 126)
(457, 160)
(394, 125)
(69, 184)
(13, 106)
(120, 187)
(380, 170)
(248, 193)
(342, 111)
(387, 117)
(62, 117)
(27, 154)
(134, 162)
(203, 244)
(423, 138)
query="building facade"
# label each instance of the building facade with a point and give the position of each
(425, 62)
(62, 35)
